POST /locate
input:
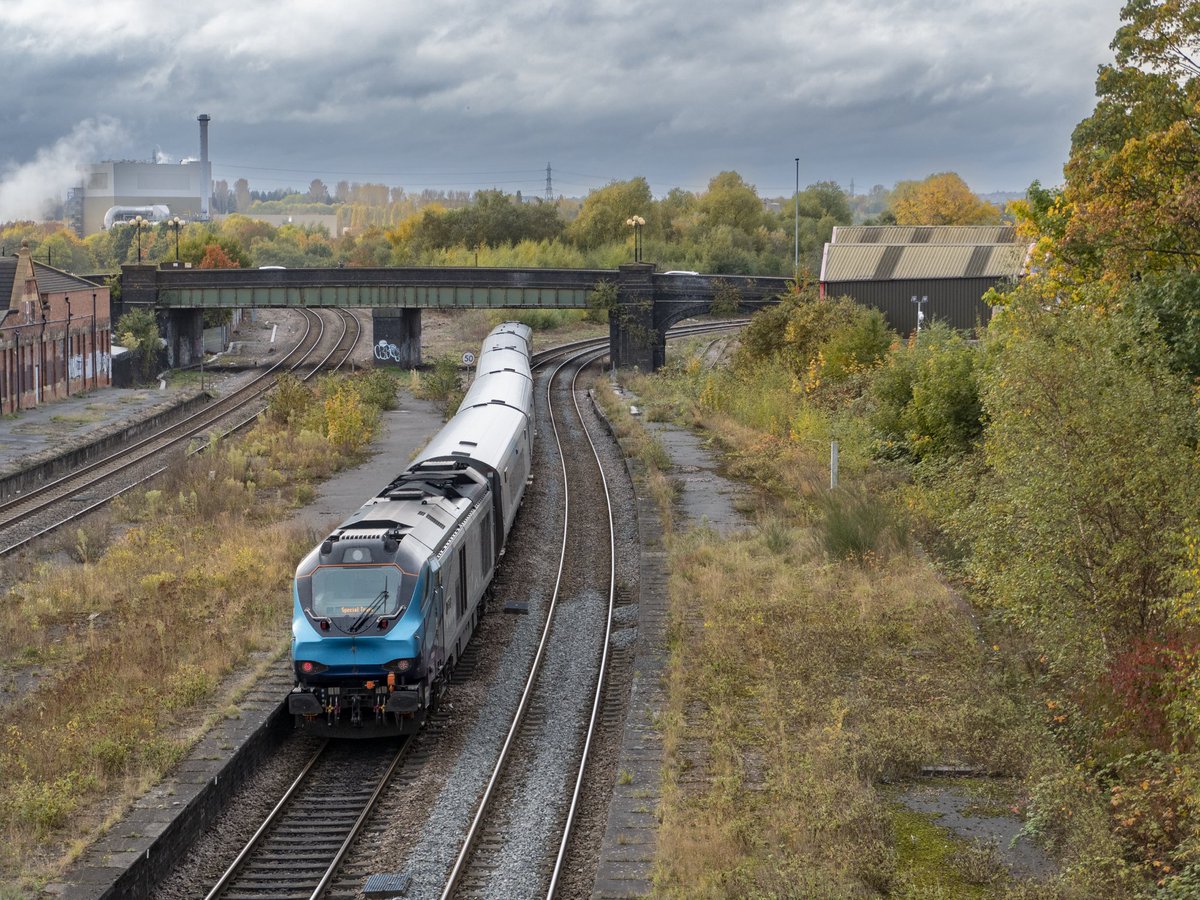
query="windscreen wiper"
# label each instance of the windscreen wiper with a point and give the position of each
(366, 614)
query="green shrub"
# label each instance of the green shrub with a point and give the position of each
(289, 401)
(925, 399)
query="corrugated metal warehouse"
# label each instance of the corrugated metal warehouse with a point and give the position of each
(947, 268)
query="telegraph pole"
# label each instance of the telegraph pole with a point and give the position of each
(796, 227)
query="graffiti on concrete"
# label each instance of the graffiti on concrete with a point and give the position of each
(386, 351)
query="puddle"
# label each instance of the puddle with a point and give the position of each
(706, 497)
(967, 811)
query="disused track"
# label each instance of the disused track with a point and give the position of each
(227, 414)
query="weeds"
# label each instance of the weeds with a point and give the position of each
(133, 644)
(812, 659)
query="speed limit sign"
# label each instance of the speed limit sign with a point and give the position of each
(468, 358)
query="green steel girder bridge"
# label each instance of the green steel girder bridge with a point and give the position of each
(646, 303)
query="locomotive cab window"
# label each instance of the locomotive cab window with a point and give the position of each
(340, 591)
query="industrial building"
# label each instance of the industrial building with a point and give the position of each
(55, 334)
(921, 273)
(119, 191)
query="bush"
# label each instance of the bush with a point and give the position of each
(289, 401)
(925, 399)
(443, 382)
(855, 346)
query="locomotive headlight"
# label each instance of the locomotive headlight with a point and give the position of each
(398, 665)
(308, 667)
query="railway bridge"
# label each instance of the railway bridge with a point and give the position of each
(642, 303)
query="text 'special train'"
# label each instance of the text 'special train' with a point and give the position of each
(387, 602)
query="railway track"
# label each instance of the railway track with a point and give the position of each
(93, 484)
(594, 708)
(546, 716)
(297, 850)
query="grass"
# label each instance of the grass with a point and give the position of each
(134, 640)
(815, 659)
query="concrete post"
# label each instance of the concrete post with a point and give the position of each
(396, 336)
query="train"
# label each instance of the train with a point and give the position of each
(384, 606)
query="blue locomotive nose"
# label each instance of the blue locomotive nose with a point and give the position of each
(359, 657)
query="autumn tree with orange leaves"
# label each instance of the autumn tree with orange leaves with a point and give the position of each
(941, 199)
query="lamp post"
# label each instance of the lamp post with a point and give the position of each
(636, 222)
(920, 310)
(138, 223)
(796, 226)
(177, 223)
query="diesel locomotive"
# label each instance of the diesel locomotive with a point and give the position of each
(383, 606)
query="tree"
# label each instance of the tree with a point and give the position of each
(241, 195)
(730, 201)
(941, 199)
(317, 192)
(677, 212)
(215, 257)
(1132, 192)
(138, 331)
(1091, 479)
(601, 219)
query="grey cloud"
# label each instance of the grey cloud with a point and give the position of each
(676, 90)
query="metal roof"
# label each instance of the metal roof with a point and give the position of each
(55, 281)
(8, 272)
(923, 234)
(893, 262)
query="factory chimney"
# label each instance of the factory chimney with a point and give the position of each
(205, 169)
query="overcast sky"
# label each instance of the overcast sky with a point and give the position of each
(474, 94)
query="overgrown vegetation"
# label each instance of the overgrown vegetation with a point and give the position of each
(1050, 467)
(138, 331)
(132, 641)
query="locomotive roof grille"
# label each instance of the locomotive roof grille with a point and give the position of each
(404, 493)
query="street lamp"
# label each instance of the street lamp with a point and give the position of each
(176, 223)
(920, 310)
(138, 223)
(636, 222)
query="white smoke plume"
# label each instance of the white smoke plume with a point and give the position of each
(30, 190)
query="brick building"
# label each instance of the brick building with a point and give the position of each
(55, 334)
